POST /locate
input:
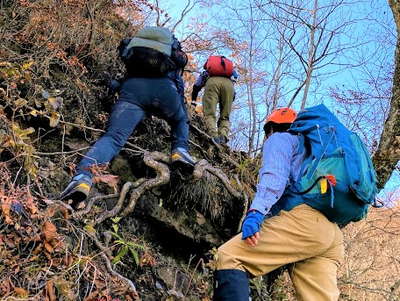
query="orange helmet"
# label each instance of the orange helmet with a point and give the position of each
(282, 115)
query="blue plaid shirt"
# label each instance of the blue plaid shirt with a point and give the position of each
(281, 165)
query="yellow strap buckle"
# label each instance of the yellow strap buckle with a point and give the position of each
(323, 185)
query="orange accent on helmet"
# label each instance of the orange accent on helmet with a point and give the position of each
(282, 115)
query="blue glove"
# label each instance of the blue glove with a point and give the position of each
(252, 223)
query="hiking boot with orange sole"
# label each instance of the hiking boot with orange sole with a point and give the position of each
(77, 190)
(180, 156)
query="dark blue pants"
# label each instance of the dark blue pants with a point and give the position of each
(138, 97)
(231, 285)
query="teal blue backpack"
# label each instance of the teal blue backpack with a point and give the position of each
(337, 176)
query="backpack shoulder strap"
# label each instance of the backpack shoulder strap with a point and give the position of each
(178, 56)
(123, 49)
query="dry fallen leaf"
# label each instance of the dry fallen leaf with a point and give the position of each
(27, 65)
(49, 231)
(110, 180)
(30, 204)
(37, 250)
(64, 288)
(5, 287)
(55, 102)
(5, 208)
(48, 247)
(21, 292)
(9, 242)
(20, 102)
(54, 119)
(50, 292)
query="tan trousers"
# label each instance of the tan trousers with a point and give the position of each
(302, 236)
(218, 90)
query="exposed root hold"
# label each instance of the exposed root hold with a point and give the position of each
(120, 202)
(163, 176)
(203, 166)
(86, 210)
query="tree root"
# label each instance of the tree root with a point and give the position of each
(246, 204)
(105, 255)
(158, 161)
(116, 274)
(141, 186)
(88, 208)
(163, 176)
(120, 202)
(202, 166)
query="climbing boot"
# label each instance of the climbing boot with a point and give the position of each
(216, 140)
(223, 139)
(77, 190)
(181, 156)
(220, 140)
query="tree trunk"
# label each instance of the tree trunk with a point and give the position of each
(311, 55)
(388, 153)
(252, 102)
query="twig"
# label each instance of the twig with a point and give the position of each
(93, 283)
(61, 153)
(79, 266)
(175, 279)
(63, 138)
(131, 150)
(192, 274)
(116, 274)
(80, 126)
(135, 146)
(86, 263)
(16, 176)
(58, 202)
(246, 204)
(200, 131)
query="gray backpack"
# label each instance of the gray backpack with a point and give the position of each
(152, 52)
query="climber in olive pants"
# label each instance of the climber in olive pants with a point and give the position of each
(219, 91)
